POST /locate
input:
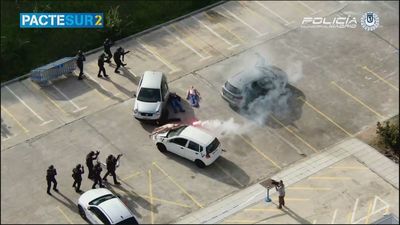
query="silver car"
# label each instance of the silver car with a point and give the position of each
(245, 86)
(152, 97)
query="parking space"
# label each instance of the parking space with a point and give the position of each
(345, 193)
(341, 80)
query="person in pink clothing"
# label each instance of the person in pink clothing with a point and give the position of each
(193, 96)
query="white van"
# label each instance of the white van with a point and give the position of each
(152, 97)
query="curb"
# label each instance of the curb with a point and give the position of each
(130, 37)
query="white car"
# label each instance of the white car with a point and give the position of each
(152, 97)
(101, 206)
(189, 142)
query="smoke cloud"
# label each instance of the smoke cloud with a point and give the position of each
(270, 92)
(222, 129)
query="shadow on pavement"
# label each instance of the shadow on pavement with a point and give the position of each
(217, 170)
(295, 216)
(68, 203)
(131, 198)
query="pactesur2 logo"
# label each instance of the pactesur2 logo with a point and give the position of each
(61, 20)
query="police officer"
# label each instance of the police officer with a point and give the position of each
(111, 167)
(100, 63)
(123, 53)
(77, 175)
(107, 45)
(120, 52)
(79, 63)
(89, 162)
(97, 175)
(51, 177)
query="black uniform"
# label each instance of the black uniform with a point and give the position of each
(107, 45)
(100, 63)
(77, 175)
(111, 167)
(120, 53)
(79, 63)
(89, 163)
(51, 177)
(97, 176)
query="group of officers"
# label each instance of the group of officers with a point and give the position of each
(118, 57)
(94, 172)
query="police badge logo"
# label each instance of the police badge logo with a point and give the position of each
(369, 21)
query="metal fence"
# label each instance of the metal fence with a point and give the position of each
(44, 74)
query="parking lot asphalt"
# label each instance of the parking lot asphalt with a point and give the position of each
(348, 193)
(343, 80)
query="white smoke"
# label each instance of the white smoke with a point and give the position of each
(269, 94)
(222, 129)
(295, 71)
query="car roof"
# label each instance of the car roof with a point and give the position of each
(197, 135)
(151, 79)
(115, 210)
(244, 77)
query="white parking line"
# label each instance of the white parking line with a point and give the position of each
(30, 109)
(334, 216)
(308, 7)
(246, 24)
(157, 56)
(68, 99)
(273, 13)
(216, 34)
(354, 211)
(185, 44)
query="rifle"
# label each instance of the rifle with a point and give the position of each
(123, 54)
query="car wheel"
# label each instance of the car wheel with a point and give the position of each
(199, 163)
(82, 212)
(161, 148)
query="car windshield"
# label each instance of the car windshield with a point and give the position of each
(128, 221)
(101, 199)
(232, 88)
(176, 132)
(149, 95)
(214, 145)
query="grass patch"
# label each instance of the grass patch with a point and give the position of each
(376, 140)
(25, 49)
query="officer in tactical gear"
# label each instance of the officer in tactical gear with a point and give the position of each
(119, 57)
(77, 175)
(97, 175)
(111, 167)
(89, 162)
(51, 177)
(100, 63)
(107, 45)
(79, 63)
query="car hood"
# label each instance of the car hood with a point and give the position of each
(147, 107)
(160, 136)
